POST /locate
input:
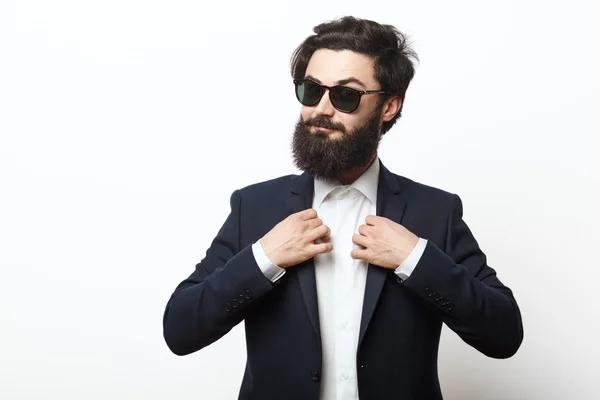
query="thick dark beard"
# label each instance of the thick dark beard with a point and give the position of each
(327, 159)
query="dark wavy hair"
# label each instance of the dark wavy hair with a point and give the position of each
(388, 47)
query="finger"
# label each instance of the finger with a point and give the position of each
(364, 230)
(359, 240)
(323, 239)
(372, 220)
(320, 248)
(307, 214)
(360, 254)
(319, 232)
(313, 223)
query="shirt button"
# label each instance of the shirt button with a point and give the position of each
(345, 376)
(315, 376)
(344, 325)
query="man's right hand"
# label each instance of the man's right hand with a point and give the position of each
(292, 241)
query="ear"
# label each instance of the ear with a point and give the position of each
(391, 108)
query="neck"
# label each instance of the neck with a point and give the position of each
(352, 175)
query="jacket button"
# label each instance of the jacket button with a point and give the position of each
(241, 299)
(228, 307)
(450, 306)
(316, 377)
(247, 294)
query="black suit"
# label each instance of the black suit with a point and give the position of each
(401, 320)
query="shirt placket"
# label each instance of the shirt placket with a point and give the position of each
(344, 301)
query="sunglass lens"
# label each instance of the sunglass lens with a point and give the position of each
(309, 93)
(345, 99)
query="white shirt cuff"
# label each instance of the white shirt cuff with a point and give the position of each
(407, 267)
(271, 271)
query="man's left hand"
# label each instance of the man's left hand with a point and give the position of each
(384, 242)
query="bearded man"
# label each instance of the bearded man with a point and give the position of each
(344, 274)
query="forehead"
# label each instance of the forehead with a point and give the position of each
(331, 66)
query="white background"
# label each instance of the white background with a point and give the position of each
(125, 126)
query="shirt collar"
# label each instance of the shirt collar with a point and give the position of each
(366, 184)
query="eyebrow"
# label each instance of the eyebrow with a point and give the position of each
(340, 82)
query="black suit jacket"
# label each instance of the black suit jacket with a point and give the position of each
(401, 320)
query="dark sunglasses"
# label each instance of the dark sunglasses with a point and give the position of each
(343, 98)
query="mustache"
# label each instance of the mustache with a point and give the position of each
(325, 123)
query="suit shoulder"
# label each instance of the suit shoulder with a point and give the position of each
(426, 194)
(267, 187)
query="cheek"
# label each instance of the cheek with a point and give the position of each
(350, 121)
(306, 113)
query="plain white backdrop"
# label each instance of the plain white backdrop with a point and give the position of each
(125, 126)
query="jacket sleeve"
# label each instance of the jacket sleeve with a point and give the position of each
(218, 294)
(466, 293)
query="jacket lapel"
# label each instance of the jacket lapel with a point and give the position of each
(301, 198)
(391, 202)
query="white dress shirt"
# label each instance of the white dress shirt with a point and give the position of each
(340, 279)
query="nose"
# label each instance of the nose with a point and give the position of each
(325, 107)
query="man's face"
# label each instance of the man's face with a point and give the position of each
(328, 142)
